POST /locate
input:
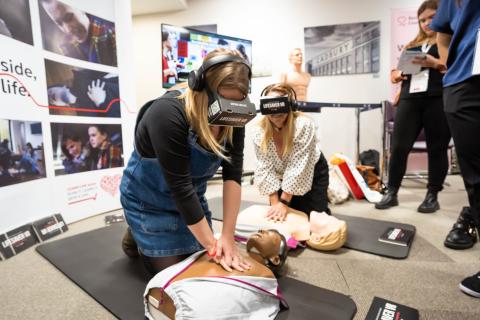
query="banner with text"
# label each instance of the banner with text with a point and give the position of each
(67, 107)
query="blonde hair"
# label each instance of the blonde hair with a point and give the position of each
(288, 130)
(422, 36)
(228, 75)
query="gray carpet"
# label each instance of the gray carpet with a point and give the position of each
(31, 288)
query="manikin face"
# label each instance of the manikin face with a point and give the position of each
(96, 138)
(267, 243)
(71, 21)
(296, 57)
(74, 147)
(424, 19)
(278, 120)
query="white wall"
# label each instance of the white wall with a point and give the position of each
(275, 27)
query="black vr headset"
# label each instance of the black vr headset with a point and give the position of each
(276, 105)
(223, 111)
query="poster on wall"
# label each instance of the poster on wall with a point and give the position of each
(342, 49)
(79, 91)
(81, 147)
(63, 109)
(72, 32)
(22, 157)
(404, 28)
(15, 21)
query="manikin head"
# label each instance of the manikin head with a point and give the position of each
(296, 57)
(269, 248)
(71, 21)
(327, 232)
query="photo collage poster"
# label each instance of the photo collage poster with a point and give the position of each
(63, 115)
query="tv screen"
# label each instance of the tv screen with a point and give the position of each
(183, 50)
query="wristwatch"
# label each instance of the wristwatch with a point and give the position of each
(285, 202)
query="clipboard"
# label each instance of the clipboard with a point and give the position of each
(405, 62)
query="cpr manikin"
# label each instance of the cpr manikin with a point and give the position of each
(254, 218)
(297, 78)
(322, 232)
(198, 288)
(327, 232)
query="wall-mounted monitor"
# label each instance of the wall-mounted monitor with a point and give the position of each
(183, 50)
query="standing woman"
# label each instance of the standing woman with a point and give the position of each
(176, 152)
(420, 106)
(291, 170)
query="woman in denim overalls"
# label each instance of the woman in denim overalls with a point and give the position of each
(176, 153)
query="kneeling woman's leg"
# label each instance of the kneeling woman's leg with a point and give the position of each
(162, 237)
(317, 198)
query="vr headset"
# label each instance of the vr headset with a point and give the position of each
(276, 105)
(223, 111)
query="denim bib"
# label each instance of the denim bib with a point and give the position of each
(149, 208)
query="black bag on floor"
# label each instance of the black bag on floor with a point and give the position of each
(371, 158)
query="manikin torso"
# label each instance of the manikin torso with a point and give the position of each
(185, 290)
(297, 78)
(299, 81)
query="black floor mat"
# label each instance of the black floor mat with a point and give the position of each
(363, 236)
(94, 261)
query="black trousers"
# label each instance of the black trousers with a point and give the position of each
(413, 115)
(317, 198)
(462, 107)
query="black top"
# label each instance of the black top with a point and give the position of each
(435, 84)
(162, 132)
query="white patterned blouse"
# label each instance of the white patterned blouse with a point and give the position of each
(294, 172)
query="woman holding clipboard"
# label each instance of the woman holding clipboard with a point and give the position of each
(420, 106)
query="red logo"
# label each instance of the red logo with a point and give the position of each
(402, 20)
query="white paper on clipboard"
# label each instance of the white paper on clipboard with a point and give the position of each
(405, 63)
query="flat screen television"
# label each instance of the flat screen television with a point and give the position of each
(183, 50)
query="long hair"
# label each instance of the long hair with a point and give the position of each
(422, 36)
(288, 130)
(228, 75)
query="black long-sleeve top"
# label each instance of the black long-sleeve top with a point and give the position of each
(435, 86)
(162, 132)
